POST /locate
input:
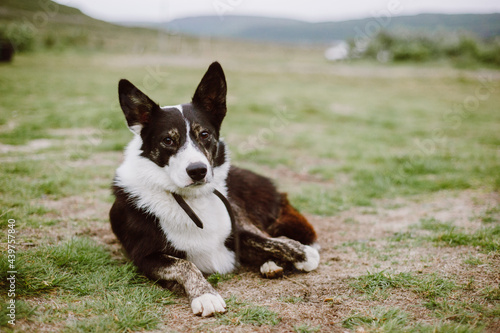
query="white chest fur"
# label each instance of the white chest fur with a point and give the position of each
(204, 247)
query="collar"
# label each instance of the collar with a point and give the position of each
(189, 211)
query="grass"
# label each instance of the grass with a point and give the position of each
(491, 215)
(243, 313)
(382, 319)
(385, 320)
(216, 278)
(306, 328)
(335, 136)
(83, 281)
(383, 156)
(432, 224)
(379, 285)
(487, 238)
(292, 299)
(473, 261)
(446, 299)
(23, 310)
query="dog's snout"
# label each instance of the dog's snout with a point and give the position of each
(197, 171)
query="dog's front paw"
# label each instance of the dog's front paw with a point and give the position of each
(312, 259)
(208, 304)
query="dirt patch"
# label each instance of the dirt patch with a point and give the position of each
(80, 208)
(74, 132)
(72, 145)
(72, 216)
(66, 136)
(31, 147)
(390, 216)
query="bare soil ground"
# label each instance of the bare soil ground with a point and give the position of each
(323, 298)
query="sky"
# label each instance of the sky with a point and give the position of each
(307, 10)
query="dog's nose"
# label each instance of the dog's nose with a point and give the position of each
(197, 171)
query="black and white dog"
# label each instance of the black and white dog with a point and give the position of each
(171, 213)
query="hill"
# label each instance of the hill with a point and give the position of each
(45, 13)
(33, 24)
(286, 30)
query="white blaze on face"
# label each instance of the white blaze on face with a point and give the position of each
(185, 156)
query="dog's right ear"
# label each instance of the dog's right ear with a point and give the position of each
(136, 106)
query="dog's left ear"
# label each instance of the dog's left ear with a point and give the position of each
(210, 96)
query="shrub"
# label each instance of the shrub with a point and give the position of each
(19, 35)
(417, 47)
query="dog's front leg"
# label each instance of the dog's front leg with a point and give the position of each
(205, 301)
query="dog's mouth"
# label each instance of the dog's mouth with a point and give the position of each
(197, 183)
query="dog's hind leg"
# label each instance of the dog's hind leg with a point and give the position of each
(292, 224)
(266, 252)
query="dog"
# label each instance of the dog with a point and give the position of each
(182, 211)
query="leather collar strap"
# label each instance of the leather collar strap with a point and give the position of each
(180, 200)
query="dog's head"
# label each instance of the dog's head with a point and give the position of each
(182, 141)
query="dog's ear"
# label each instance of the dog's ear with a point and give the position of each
(210, 96)
(136, 106)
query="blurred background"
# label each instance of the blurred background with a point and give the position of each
(358, 101)
(387, 31)
(380, 119)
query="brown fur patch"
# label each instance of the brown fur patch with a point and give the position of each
(292, 224)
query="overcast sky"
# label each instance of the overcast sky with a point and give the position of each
(309, 10)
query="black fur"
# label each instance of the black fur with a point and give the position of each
(254, 194)
(210, 95)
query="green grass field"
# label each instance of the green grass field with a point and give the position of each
(354, 144)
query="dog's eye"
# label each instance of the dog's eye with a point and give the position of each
(168, 141)
(204, 135)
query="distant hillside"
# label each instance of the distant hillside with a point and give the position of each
(35, 6)
(35, 24)
(285, 30)
(44, 13)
